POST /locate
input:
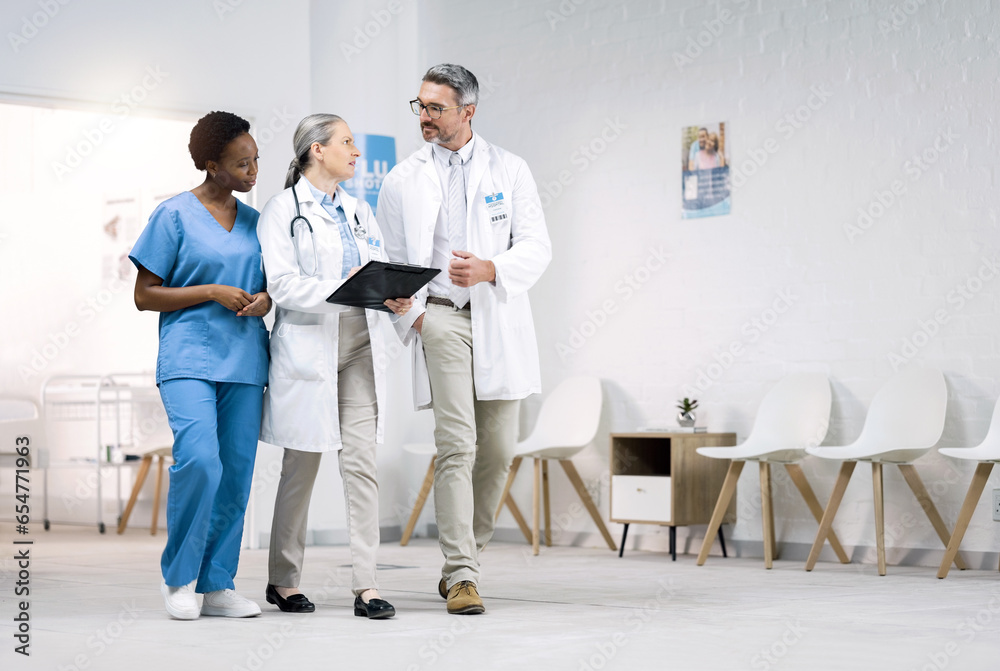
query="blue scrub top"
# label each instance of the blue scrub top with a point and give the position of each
(185, 246)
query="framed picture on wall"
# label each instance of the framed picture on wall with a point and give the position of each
(705, 184)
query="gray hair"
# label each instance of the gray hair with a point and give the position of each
(314, 128)
(464, 83)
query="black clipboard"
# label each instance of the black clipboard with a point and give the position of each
(378, 281)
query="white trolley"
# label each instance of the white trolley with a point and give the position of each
(91, 422)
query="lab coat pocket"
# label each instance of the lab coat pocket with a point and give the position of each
(297, 352)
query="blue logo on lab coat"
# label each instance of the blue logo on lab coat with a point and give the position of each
(378, 156)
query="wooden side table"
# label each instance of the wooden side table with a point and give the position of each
(659, 478)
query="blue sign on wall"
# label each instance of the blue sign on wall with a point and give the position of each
(378, 156)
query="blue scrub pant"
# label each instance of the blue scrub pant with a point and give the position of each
(215, 427)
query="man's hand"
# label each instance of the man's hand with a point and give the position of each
(468, 270)
(419, 323)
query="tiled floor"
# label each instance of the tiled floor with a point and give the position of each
(95, 604)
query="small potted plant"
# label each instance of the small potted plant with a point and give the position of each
(686, 415)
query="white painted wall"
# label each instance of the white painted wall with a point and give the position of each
(120, 61)
(829, 107)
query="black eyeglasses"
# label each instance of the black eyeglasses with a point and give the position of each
(433, 111)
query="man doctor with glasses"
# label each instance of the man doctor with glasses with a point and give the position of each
(471, 209)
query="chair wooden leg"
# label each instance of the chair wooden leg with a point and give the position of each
(140, 478)
(976, 488)
(927, 503)
(545, 501)
(581, 490)
(508, 500)
(535, 482)
(766, 513)
(879, 515)
(418, 506)
(156, 495)
(514, 465)
(800, 482)
(721, 505)
(826, 524)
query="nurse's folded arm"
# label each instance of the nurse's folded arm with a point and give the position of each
(150, 294)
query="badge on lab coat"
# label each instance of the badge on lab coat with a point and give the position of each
(374, 249)
(496, 208)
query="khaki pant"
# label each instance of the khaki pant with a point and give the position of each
(358, 411)
(475, 444)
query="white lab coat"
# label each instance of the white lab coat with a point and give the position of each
(300, 404)
(505, 360)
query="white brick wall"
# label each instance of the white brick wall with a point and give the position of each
(892, 93)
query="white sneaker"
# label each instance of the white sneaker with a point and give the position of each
(181, 602)
(227, 603)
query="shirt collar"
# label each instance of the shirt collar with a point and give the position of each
(324, 198)
(444, 155)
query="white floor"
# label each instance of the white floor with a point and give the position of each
(95, 604)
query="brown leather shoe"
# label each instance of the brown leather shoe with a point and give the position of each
(443, 589)
(463, 599)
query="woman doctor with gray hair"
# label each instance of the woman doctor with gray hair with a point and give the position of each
(326, 387)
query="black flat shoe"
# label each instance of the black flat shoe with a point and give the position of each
(375, 609)
(296, 603)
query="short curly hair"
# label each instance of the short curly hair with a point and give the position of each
(212, 133)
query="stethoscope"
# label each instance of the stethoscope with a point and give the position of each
(360, 232)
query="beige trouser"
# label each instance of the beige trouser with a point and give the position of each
(358, 410)
(475, 443)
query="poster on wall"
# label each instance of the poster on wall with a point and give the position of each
(705, 183)
(378, 156)
(121, 225)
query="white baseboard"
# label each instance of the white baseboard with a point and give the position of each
(687, 545)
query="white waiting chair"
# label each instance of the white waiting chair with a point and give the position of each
(428, 450)
(567, 422)
(987, 453)
(793, 416)
(904, 422)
